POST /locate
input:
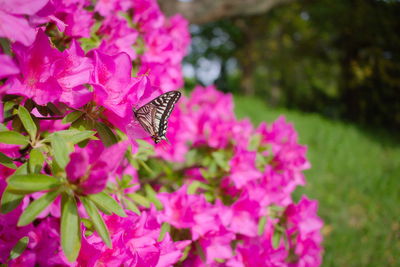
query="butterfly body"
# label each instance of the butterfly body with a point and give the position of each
(153, 116)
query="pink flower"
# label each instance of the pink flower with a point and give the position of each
(242, 217)
(148, 15)
(217, 245)
(118, 36)
(213, 128)
(243, 168)
(48, 75)
(106, 7)
(8, 66)
(166, 43)
(167, 77)
(78, 20)
(179, 133)
(46, 14)
(37, 81)
(177, 29)
(73, 71)
(180, 208)
(189, 211)
(135, 243)
(13, 25)
(304, 231)
(112, 81)
(258, 251)
(91, 167)
(279, 133)
(44, 246)
(9, 232)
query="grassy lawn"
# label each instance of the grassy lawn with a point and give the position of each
(355, 176)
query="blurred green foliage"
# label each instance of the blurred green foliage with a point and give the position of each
(355, 178)
(339, 58)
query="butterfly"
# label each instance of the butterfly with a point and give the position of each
(153, 116)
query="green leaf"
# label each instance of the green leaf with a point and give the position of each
(36, 160)
(17, 125)
(97, 220)
(53, 109)
(70, 228)
(191, 157)
(60, 148)
(145, 150)
(141, 200)
(200, 251)
(221, 159)
(6, 161)
(8, 106)
(23, 169)
(276, 238)
(83, 123)
(261, 161)
(36, 207)
(130, 205)
(29, 104)
(210, 197)
(87, 223)
(71, 136)
(261, 225)
(14, 138)
(29, 183)
(19, 248)
(27, 121)
(152, 196)
(3, 127)
(71, 117)
(10, 201)
(125, 181)
(255, 142)
(105, 202)
(107, 136)
(185, 253)
(165, 227)
(55, 169)
(192, 188)
(83, 144)
(43, 110)
(5, 44)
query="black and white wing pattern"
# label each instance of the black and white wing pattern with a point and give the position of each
(154, 115)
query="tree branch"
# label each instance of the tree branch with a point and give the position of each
(203, 11)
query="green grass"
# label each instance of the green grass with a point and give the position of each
(355, 176)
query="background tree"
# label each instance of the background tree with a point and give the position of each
(340, 59)
(203, 11)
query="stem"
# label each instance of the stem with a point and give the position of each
(39, 118)
(9, 118)
(50, 118)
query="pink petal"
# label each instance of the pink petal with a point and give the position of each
(8, 66)
(27, 7)
(16, 28)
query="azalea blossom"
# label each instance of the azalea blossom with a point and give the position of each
(219, 194)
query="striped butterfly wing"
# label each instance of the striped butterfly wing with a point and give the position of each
(154, 115)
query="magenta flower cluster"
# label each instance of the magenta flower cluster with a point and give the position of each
(220, 194)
